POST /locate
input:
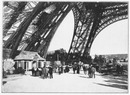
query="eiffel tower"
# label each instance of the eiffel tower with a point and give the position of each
(31, 25)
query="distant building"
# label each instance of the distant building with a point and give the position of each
(56, 55)
(116, 56)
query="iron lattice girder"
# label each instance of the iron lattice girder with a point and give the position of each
(56, 20)
(15, 40)
(101, 15)
(20, 11)
(90, 19)
(19, 14)
(120, 11)
(48, 21)
(13, 17)
(15, 34)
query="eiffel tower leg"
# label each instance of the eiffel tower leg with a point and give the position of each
(23, 27)
(50, 36)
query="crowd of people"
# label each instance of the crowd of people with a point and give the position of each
(44, 72)
(77, 66)
(47, 70)
(88, 69)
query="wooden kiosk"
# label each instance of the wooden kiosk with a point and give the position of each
(25, 60)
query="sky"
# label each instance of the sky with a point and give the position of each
(111, 40)
(64, 33)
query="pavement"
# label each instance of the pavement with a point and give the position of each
(65, 83)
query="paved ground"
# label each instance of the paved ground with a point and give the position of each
(67, 82)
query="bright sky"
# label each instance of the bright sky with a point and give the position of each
(64, 33)
(112, 40)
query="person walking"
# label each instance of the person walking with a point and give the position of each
(85, 68)
(50, 72)
(59, 70)
(78, 69)
(34, 68)
(91, 71)
(44, 71)
(74, 67)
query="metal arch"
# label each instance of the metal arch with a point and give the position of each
(49, 29)
(118, 13)
(33, 34)
(45, 26)
(54, 28)
(76, 26)
(18, 26)
(109, 23)
(21, 31)
(77, 47)
(76, 15)
(122, 14)
(90, 41)
(77, 19)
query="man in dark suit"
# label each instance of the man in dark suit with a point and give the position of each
(50, 72)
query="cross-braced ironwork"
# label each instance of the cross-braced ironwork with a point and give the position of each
(31, 25)
(90, 19)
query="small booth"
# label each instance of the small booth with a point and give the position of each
(25, 60)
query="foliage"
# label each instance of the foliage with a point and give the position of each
(8, 64)
(99, 60)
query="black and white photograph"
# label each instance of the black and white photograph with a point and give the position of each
(65, 47)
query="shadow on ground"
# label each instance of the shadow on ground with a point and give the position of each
(117, 81)
(115, 85)
(117, 77)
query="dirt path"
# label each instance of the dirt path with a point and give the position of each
(67, 82)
